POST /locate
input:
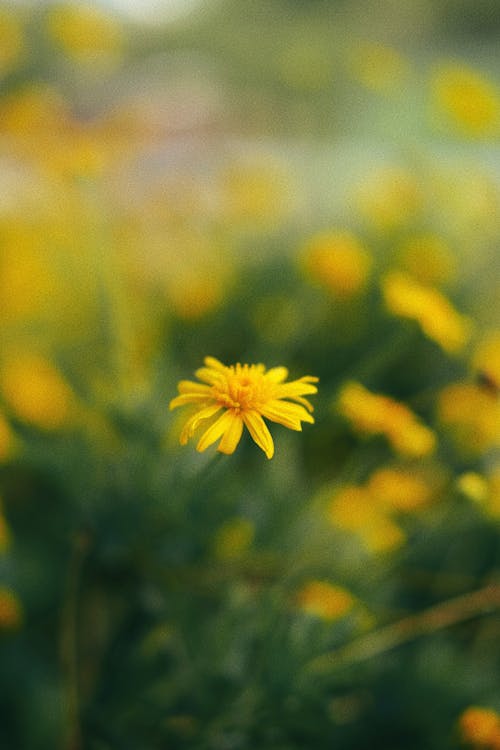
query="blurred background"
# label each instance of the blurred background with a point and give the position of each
(313, 184)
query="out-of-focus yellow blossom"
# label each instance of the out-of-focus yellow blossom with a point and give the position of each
(255, 192)
(473, 414)
(435, 315)
(27, 283)
(35, 111)
(11, 614)
(428, 259)
(376, 414)
(466, 100)
(85, 33)
(337, 261)
(486, 360)
(12, 45)
(234, 538)
(193, 291)
(378, 67)
(6, 438)
(483, 490)
(246, 394)
(480, 727)
(35, 391)
(324, 600)
(388, 199)
(474, 486)
(399, 489)
(356, 510)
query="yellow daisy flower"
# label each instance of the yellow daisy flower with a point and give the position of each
(245, 393)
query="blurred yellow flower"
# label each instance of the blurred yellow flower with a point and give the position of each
(473, 486)
(466, 99)
(436, 317)
(10, 610)
(378, 67)
(472, 413)
(376, 414)
(85, 33)
(245, 393)
(255, 192)
(337, 261)
(480, 727)
(324, 600)
(355, 509)
(399, 489)
(389, 198)
(427, 258)
(35, 391)
(12, 46)
(6, 438)
(234, 538)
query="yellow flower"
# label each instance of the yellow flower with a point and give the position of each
(354, 509)
(468, 100)
(10, 610)
(473, 413)
(389, 199)
(36, 392)
(234, 538)
(429, 308)
(399, 489)
(245, 393)
(85, 33)
(376, 414)
(323, 600)
(338, 261)
(481, 727)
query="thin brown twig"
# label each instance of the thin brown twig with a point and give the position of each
(435, 618)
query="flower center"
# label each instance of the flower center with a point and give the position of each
(242, 389)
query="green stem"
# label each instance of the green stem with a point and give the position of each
(69, 645)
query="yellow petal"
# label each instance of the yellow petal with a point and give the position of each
(214, 364)
(215, 431)
(289, 415)
(194, 421)
(259, 432)
(232, 435)
(295, 388)
(189, 398)
(188, 386)
(209, 375)
(277, 374)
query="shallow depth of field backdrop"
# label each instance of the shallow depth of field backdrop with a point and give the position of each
(306, 184)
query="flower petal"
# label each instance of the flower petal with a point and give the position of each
(188, 386)
(189, 398)
(259, 432)
(232, 435)
(215, 431)
(214, 364)
(209, 375)
(277, 374)
(194, 421)
(289, 415)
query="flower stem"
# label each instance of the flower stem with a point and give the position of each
(431, 620)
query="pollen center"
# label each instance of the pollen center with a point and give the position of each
(241, 389)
